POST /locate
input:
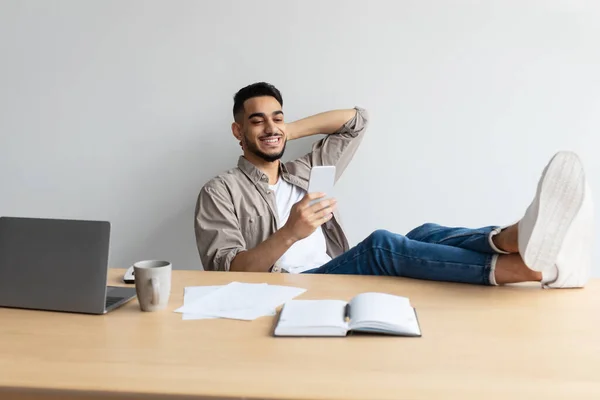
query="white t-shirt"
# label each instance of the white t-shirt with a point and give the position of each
(305, 254)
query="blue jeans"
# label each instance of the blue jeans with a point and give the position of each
(431, 252)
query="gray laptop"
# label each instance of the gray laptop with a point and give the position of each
(57, 265)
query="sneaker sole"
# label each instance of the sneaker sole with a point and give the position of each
(574, 261)
(559, 198)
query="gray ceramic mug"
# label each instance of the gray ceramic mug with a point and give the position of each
(152, 284)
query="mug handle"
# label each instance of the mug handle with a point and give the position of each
(155, 291)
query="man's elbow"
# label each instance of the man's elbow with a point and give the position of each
(361, 120)
(211, 262)
(245, 261)
(232, 260)
(238, 263)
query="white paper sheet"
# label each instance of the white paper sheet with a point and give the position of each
(245, 301)
(245, 315)
(198, 298)
(191, 294)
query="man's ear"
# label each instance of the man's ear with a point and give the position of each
(236, 129)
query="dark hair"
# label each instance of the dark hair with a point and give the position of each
(254, 90)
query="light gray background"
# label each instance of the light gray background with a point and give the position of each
(121, 110)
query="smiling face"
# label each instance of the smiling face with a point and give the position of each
(260, 128)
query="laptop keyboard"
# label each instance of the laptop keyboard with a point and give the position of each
(110, 300)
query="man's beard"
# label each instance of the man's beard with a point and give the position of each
(267, 157)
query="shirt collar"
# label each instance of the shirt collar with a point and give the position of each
(255, 174)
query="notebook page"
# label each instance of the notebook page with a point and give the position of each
(313, 313)
(381, 310)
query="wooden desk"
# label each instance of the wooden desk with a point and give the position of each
(478, 342)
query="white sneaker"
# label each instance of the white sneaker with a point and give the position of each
(549, 222)
(574, 261)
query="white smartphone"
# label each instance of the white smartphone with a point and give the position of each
(322, 179)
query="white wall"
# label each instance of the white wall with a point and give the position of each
(121, 110)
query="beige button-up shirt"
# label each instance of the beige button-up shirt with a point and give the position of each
(236, 210)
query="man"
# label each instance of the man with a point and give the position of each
(257, 217)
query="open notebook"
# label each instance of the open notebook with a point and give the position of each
(367, 312)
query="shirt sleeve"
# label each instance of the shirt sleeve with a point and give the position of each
(218, 235)
(336, 149)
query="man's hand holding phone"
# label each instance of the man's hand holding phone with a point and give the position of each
(316, 207)
(305, 217)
